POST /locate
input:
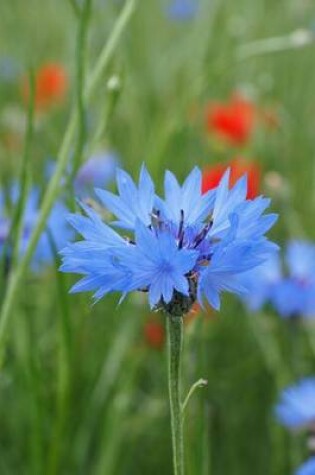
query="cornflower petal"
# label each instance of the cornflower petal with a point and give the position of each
(296, 406)
(187, 201)
(308, 468)
(226, 202)
(132, 203)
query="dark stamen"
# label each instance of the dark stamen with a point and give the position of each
(203, 233)
(155, 219)
(180, 235)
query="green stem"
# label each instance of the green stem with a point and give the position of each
(75, 7)
(17, 224)
(81, 53)
(111, 99)
(275, 44)
(175, 341)
(201, 383)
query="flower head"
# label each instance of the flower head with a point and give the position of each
(51, 84)
(185, 247)
(261, 282)
(290, 287)
(308, 468)
(9, 69)
(182, 9)
(56, 234)
(296, 407)
(212, 175)
(98, 170)
(294, 294)
(232, 122)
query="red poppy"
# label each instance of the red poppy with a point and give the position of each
(51, 83)
(232, 121)
(239, 166)
(154, 334)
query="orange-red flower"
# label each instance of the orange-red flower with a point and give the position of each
(232, 121)
(51, 83)
(154, 334)
(239, 166)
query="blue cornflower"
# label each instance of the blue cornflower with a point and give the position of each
(182, 9)
(261, 282)
(300, 259)
(294, 295)
(296, 407)
(9, 69)
(56, 234)
(288, 286)
(308, 468)
(98, 170)
(188, 246)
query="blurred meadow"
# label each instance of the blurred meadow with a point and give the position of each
(83, 388)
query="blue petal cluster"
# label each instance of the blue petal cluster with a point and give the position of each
(296, 407)
(98, 170)
(290, 287)
(185, 247)
(10, 69)
(308, 468)
(56, 234)
(182, 9)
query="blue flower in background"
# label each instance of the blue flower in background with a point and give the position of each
(289, 298)
(261, 282)
(296, 407)
(182, 9)
(10, 69)
(294, 294)
(98, 170)
(300, 259)
(57, 229)
(308, 468)
(185, 247)
(289, 287)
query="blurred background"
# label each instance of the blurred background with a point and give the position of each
(83, 388)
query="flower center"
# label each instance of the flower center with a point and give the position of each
(180, 303)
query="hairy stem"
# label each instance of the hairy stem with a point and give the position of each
(175, 341)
